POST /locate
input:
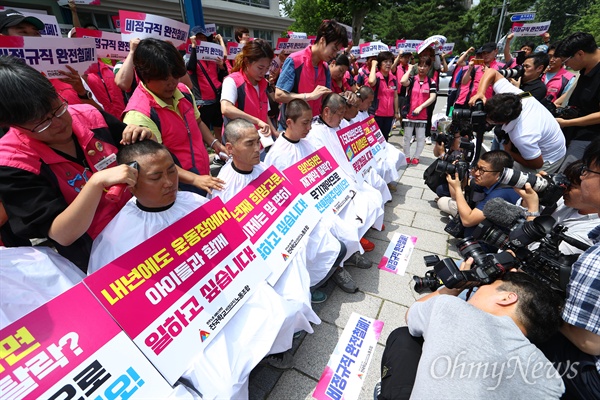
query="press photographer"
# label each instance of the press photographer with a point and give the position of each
(533, 137)
(527, 74)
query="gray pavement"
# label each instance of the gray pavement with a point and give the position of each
(381, 295)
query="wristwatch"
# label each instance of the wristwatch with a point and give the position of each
(86, 96)
(532, 214)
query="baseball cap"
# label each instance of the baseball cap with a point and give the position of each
(10, 18)
(406, 53)
(199, 30)
(487, 48)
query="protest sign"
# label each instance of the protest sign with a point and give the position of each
(372, 49)
(376, 139)
(436, 41)
(70, 347)
(288, 46)
(531, 29)
(141, 25)
(80, 2)
(347, 368)
(51, 27)
(233, 48)
(348, 31)
(448, 48)
(274, 217)
(211, 29)
(407, 45)
(321, 180)
(175, 291)
(108, 44)
(50, 55)
(116, 22)
(208, 51)
(355, 51)
(397, 255)
(297, 35)
(357, 150)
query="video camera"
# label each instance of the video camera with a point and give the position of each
(475, 121)
(550, 188)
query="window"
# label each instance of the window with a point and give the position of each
(266, 35)
(102, 21)
(226, 33)
(253, 3)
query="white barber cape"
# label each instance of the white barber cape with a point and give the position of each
(222, 369)
(366, 209)
(394, 158)
(322, 247)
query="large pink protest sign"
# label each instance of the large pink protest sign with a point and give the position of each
(50, 55)
(69, 347)
(275, 218)
(142, 26)
(321, 179)
(357, 149)
(108, 44)
(291, 45)
(191, 277)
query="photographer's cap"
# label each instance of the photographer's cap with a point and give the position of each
(487, 48)
(10, 18)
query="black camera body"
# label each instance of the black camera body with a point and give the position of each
(447, 167)
(476, 116)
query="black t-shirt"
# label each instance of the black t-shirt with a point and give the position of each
(536, 87)
(33, 201)
(586, 97)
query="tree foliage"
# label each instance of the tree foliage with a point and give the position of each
(564, 14)
(590, 20)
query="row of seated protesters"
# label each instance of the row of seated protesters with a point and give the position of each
(58, 160)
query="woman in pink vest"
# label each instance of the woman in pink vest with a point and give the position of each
(384, 84)
(101, 79)
(245, 89)
(341, 79)
(56, 162)
(420, 93)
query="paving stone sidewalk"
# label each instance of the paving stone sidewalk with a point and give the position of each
(381, 295)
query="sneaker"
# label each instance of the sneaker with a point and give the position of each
(358, 261)
(367, 245)
(415, 161)
(282, 361)
(391, 187)
(401, 131)
(412, 139)
(428, 140)
(377, 390)
(407, 160)
(344, 280)
(317, 297)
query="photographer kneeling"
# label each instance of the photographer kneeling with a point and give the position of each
(476, 349)
(533, 138)
(486, 187)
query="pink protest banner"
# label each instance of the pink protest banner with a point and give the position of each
(530, 29)
(448, 48)
(233, 49)
(50, 55)
(375, 138)
(70, 347)
(436, 41)
(312, 39)
(275, 218)
(347, 367)
(407, 45)
(176, 290)
(321, 180)
(108, 45)
(357, 149)
(397, 255)
(140, 25)
(288, 46)
(372, 49)
(116, 22)
(208, 51)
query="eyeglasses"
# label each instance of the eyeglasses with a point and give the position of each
(583, 171)
(566, 59)
(45, 124)
(476, 169)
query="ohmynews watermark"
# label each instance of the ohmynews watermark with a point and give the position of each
(530, 370)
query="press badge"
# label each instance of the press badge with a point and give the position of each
(105, 162)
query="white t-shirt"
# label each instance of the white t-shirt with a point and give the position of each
(535, 132)
(229, 91)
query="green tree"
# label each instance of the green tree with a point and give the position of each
(564, 15)
(485, 18)
(590, 21)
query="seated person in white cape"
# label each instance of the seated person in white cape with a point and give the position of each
(32, 276)
(289, 148)
(243, 145)
(367, 206)
(264, 324)
(394, 157)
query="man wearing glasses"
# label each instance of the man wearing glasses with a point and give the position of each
(580, 53)
(556, 78)
(576, 351)
(485, 177)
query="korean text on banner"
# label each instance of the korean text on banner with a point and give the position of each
(51, 55)
(275, 217)
(322, 179)
(297, 35)
(209, 51)
(70, 347)
(211, 29)
(375, 138)
(533, 29)
(436, 40)
(448, 48)
(175, 291)
(357, 149)
(397, 255)
(407, 45)
(372, 49)
(140, 25)
(347, 368)
(288, 46)
(233, 49)
(108, 44)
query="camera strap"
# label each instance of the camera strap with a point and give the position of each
(525, 95)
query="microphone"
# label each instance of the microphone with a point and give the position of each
(115, 192)
(502, 213)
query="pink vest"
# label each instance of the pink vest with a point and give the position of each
(21, 151)
(66, 91)
(248, 100)
(101, 79)
(385, 95)
(419, 95)
(345, 85)
(470, 89)
(556, 85)
(308, 82)
(179, 134)
(400, 71)
(206, 89)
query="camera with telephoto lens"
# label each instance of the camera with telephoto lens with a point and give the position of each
(550, 188)
(460, 167)
(568, 112)
(486, 268)
(516, 72)
(476, 116)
